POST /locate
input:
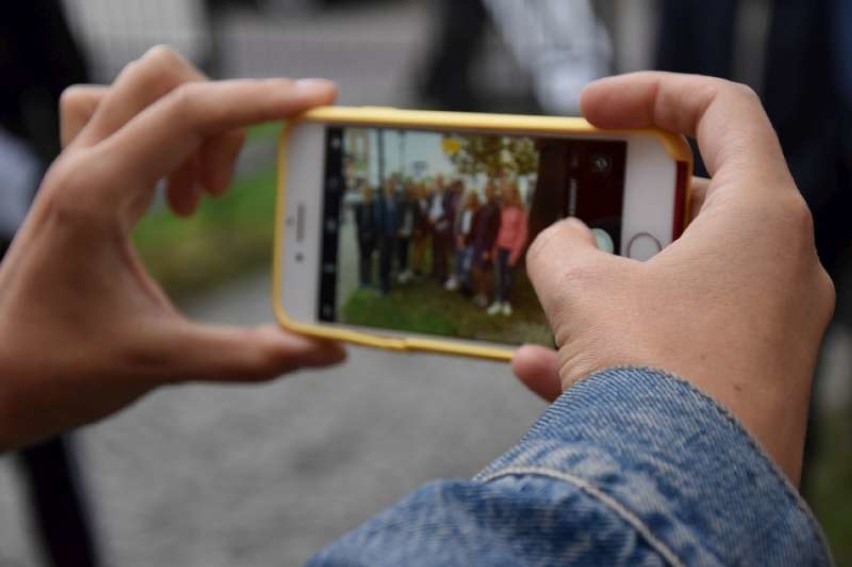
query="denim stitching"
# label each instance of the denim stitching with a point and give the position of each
(666, 552)
(788, 488)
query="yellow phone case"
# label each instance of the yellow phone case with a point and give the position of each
(675, 145)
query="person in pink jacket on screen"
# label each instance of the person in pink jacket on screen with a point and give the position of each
(511, 240)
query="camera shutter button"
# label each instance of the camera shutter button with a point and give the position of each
(603, 240)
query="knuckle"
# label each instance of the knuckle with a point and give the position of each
(796, 216)
(714, 87)
(67, 192)
(165, 58)
(162, 69)
(184, 98)
(745, 91)
(719, 84)
(788, 219)
(64, 176)
(826, 292)
(803, 219)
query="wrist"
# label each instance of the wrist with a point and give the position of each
(627, 432)
(771, 407)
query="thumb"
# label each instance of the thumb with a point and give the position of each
(221, 354)
(561, 260)
(538, 369)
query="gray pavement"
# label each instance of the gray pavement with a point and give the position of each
(205, 475)
(265, 475)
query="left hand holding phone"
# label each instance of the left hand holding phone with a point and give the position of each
(84, 329)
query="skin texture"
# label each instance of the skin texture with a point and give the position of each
(738, 305)
(84, 330)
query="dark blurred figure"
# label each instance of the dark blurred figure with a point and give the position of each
(697, 37)
(440, 226)
(228, 4)
(801, 91)
(807, 85)
(215, 13)
(389, 216)
(409, 219)
(38, 59)
(367, 229)
(463, 232)
(450, 206)
(462, 25)
(485, 229)
(335, 4)
(422, 228)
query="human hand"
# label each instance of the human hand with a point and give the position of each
(738, 305)
(84, 329)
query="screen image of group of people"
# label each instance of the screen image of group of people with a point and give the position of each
(432, 228)
(475, 239)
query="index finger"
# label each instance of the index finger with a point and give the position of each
(734, 134)
(164, 134)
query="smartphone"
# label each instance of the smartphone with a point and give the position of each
(407, 230)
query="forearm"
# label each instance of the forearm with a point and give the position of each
(630, 466)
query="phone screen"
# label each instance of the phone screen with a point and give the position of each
(426, 232)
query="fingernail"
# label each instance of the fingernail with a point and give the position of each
(577, 222)
(313, 86)
(153, 50)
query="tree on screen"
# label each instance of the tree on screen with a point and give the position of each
(494, 156)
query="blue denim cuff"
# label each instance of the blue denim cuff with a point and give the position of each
(675, 465)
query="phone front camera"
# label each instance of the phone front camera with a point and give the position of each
(601, 164)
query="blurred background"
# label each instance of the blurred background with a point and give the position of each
(256, 476)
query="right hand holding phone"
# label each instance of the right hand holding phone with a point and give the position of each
(738, 305)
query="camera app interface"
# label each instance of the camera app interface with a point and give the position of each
(426, 232)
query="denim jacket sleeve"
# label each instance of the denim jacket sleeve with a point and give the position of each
(629, 467)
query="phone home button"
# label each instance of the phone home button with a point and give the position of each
(643, 246)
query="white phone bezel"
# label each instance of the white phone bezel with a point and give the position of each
(648, 210)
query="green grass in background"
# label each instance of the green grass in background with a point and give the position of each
(264, 132)
(225, 238)
(831, 486)
(426, 307)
